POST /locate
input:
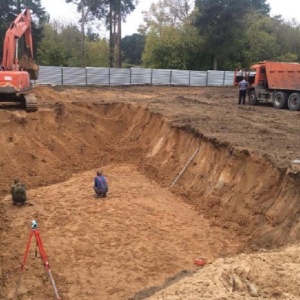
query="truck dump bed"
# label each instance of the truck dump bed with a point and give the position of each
(283, 76)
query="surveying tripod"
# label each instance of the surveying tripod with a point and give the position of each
(35, 232)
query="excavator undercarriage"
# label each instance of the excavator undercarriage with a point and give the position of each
(25, 101)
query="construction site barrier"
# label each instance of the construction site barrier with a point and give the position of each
(134, 76)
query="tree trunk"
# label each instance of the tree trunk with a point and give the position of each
(82, 36)
(215, 63)
(111, 43)
(119, 35)
(115, 17)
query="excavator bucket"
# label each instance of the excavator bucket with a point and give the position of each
(26, 63)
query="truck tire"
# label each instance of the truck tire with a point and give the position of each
(252, 98)
(280, 100)
(294, 101)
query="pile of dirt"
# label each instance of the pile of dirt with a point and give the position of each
(191, 174)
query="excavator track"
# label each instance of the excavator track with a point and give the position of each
(30, 103)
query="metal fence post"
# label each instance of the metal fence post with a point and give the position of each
(62, 75)
(151, 81)
(206, 78)
(86, 75)
(224, 75)
(130, 76)
(109, 76)
(170, 77)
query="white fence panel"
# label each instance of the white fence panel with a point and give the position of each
(74, 76)
(180, 77)
(133, 76)
(97, 76)
(50, 75)
(141, 76)
(229, 78)
(119, 76)
(161, 77)
(198, 78)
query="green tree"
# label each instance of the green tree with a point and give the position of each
(132, 47)
(10, 9)
(267, 38)
(260, 40)
(173, 48)
(112, 12)
(172, 42)
(166, 13)
(221, 22)
(287, 35)
(59, 46)
(97, 53)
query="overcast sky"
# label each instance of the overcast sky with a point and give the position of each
(60, 10)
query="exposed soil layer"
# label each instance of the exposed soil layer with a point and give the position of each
(191, 174)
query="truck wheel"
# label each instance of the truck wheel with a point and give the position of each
(294, 101)
(252, 98)
(280, 100)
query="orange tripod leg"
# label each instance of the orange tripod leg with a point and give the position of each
(43, 255)
(45, 261)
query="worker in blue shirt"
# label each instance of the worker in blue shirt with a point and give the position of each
(243, 86)
(100, 185)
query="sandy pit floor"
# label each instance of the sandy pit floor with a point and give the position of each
(110, 248)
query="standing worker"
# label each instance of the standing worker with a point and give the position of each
(18, 192)
(243, 86)
(100, 185)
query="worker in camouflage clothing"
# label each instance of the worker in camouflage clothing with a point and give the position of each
(18, 192)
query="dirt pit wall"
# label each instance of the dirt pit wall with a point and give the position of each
(232, 187)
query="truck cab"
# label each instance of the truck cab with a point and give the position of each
(257, 78)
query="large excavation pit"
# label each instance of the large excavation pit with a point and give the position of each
(176, 193)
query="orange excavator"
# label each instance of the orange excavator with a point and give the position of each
(15, 74)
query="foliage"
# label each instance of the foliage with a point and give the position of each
(132, 48)
(168, 13)
(221, 23)
(171, 41)
(267, 38)
(97, 53)
(60, 47)
(172, 48)
(10, 9)
(112, 12)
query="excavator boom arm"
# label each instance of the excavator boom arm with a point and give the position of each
(19, 27)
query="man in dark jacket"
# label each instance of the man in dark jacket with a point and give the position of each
(18, 192)
(243, 86)
(100, 185)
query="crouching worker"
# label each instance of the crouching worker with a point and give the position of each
(100, 185)
(18, 192)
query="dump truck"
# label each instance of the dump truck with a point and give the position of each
(15, 74)
(274, 82)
